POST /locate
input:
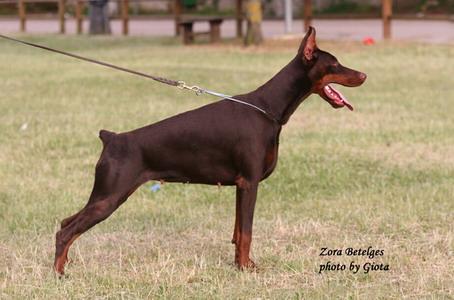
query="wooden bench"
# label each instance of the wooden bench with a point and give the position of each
(187, 28)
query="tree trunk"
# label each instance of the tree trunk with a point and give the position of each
(99, 17)
(254, 23)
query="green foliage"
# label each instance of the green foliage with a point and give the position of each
(349, 7)
(437, 7)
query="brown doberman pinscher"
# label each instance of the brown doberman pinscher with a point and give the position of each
(225, 143)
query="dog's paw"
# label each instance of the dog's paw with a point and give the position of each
(249, 265)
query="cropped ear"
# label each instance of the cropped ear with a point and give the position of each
(308, 45)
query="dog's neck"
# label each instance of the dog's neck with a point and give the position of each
(281, 95)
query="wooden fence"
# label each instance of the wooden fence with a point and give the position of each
(62, 5)
(177, 10)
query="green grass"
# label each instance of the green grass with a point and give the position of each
(381, 176)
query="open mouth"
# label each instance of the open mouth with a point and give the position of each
(335, 98)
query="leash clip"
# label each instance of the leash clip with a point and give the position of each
(181, 85)
(197, 90)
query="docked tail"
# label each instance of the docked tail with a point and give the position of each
(106, 136)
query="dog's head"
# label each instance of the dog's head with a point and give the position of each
(324, 69)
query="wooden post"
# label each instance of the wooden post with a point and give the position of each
(79, 18)
(61, 15)
(254, 23)
(187, 32)
(239, 18)
(177, 8)
(387, 7)
(215, 30)
(307, 14)
(22, 15)
(125, 16)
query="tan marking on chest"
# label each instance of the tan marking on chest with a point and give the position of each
(270, 157)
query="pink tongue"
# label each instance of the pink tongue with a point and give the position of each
(344, 100)
(350, 107)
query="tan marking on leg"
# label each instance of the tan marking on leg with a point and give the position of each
(60, 261)
(242, 183)
(244, 262)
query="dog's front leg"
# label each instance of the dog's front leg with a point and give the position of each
(246, 197)
(236, 229)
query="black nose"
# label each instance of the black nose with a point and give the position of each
(362, 76)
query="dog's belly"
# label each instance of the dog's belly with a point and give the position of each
(189, 167)
(199, 179)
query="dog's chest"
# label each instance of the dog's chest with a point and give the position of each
(270, 159)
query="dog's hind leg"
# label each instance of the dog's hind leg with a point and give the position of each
(68, 220)
(115, 181)
(106, 137)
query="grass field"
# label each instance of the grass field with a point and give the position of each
(382, 176)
